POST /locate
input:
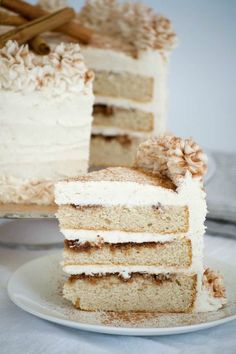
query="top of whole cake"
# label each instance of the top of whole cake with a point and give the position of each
(61, 71)
(134, 24)
(129, 27)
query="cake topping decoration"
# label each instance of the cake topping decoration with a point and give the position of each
(60, 71)
(133, 23)
(172, 157)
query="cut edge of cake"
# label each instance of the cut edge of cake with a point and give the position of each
(103, 244)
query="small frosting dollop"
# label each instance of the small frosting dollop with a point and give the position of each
(214, 283)
(63, 70)
(173, 157)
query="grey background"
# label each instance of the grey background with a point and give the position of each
(202, 72)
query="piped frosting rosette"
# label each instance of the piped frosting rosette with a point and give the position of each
(172, 157)
(63, 70)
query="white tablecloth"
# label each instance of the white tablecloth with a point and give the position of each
(21, 332)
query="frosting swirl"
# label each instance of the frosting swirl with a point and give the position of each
(63, 70)
(172, 157)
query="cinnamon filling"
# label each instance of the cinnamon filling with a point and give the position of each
(157, 278)
(103, 109)
(75, 246)
(123, 140)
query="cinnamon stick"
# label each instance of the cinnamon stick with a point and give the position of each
(11, 20)
(32, 12)
(31, 29)
(37, 44)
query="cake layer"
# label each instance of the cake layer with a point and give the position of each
(125, 85)
(153, 218)
(177, 253)
(122, 118)
(141, 292)
(113, 150)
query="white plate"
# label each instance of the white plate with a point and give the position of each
(36, 288)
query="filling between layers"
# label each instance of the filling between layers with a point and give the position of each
(177, 253)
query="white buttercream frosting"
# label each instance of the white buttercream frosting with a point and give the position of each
(42, 137)
(121, 269)
(113, 131)
(45, 117)
(148, 64)
(62, 71)
(211, 296)
(97, 236)
(207, 302)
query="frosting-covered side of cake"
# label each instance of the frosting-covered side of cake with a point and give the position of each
(46, 114)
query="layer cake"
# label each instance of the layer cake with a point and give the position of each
(134, 236)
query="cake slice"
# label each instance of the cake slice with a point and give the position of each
(134, 236)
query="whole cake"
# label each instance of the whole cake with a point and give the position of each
(134, 236)
(45, 117)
